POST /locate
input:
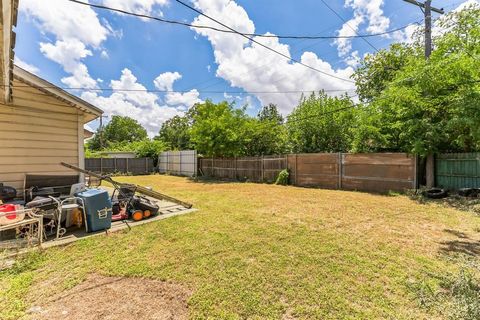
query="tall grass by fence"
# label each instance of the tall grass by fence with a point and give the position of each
(120, 165)
(378, 172)
(458, 170)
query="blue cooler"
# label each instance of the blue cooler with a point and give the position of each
(98, 209)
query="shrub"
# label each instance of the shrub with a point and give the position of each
(282, 178)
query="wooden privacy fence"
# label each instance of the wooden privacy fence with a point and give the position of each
(183, 163)
(255, 169)
(120, 165)
(377, 172)
(457, 170)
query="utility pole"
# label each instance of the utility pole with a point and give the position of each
(100, 130)
(427, 9)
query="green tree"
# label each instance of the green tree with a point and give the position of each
(219, 130)
(266, 133)
(118, 130)
(434, 106)
(425, 106)
(175, 133)
(270, 113)
(376, 71)
(321, 123)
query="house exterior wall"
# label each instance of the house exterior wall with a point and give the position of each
(37, 132)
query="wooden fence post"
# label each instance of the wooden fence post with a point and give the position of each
(340, 170)
(415, 172)
(263, 168)
(146, 165)
(115, 164)
(235, 167)
(180, 156)
(126, 169)
(167, 162)
(101, 165)
(296, 173)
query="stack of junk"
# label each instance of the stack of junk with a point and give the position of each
(50, 212)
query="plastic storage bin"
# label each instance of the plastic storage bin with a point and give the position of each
(98, 209)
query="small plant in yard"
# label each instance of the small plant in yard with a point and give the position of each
(282, 178)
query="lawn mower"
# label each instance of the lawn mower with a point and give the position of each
(125, 204)
(125, 201)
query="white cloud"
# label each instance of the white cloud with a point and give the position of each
(142, 106)
(254, 68)
(140, 97)
(187, 99)
(75, 28)
(165, 80)
(364, 11)
(66, 20)
(353, 60)
(80, 78)
(68, 54)
(27, 66)
(350, 28)
(65, 52)
(104, 54)
(137, 6)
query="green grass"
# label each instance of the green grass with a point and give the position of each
(266, 251)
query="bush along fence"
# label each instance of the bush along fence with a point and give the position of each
(120, 165)
(377, 172)
(457, 170)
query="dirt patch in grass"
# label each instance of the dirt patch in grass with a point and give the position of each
(111, 298)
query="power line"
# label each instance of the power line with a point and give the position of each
(182, 91)
(305, 37)
(346, 22)
(265, 46)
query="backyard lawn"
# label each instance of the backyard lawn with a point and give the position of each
(264, 251)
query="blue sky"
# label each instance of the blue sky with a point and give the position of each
(77, 46)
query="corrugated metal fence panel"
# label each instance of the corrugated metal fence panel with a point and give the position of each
(183, 163)
(458, 170)
(120, 165)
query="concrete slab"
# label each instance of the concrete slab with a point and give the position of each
(167, 210)
(116, 226)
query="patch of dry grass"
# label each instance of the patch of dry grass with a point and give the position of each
(267, 251)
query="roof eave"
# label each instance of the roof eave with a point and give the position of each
(90, 111)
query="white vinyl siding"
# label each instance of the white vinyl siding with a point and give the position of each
(37, 132)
